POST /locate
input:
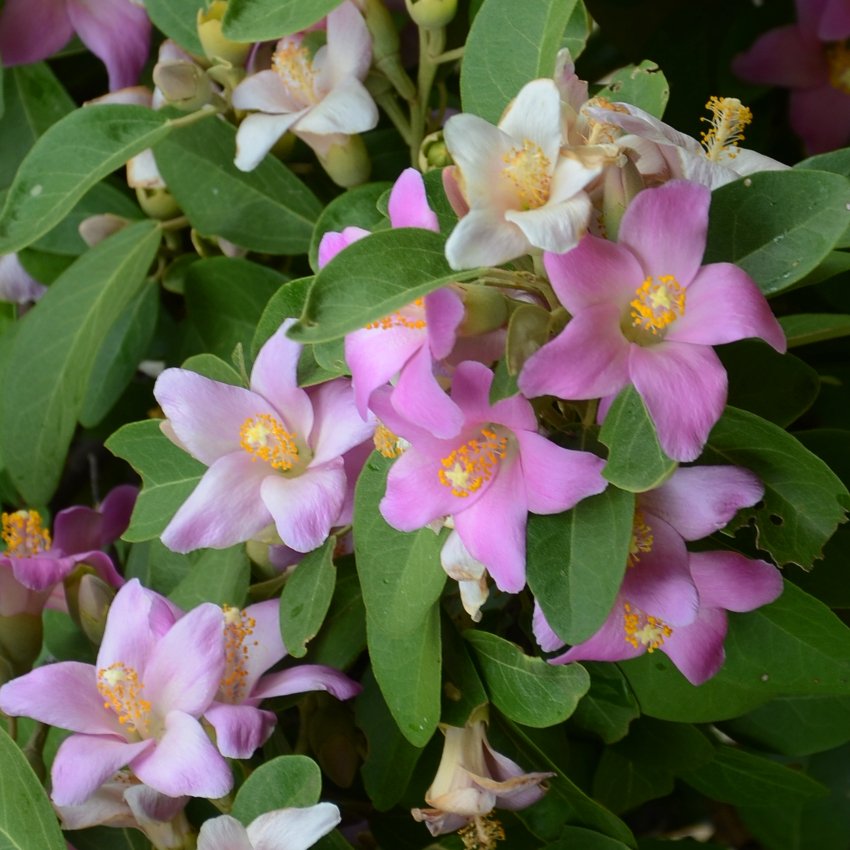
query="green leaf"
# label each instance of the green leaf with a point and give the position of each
(578, 30)
(795, 726)
(54, 352)
(225, 299)
(64, 163)
(286, 303)
(621, 784)
(371, 278)
(793, 647)
(402, 580)
(33, 100)
(804, 501)
(220, 576)
(178, 20)
(777, 225)
(119, 355)
(390, 757)
(527, 689)
(838, 162)
(357, 207)
(268, 209)
(507, 49)
(738, 777)
(462, 688)
(214, 368)
(806, 328)
(278, 784)
(644, 86)
(169, 475)
(635, 459)
(573, 837)
(156, 567)
(609, 707)
(576, 561)
(306, 598)
(262, 20)
(110, 838)
(27, 819)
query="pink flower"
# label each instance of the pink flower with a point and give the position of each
(671, 599)
(253, 645)
(811, 59)
(274, 451)
(138, 706)
(487, 478)
(116, 31)
(316, 94)
(646, 312)
(16, 284)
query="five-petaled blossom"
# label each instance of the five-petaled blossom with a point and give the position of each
(317, 94)
(140, 704)
(487, 478)
(646, 312)
(522, 193)
(117, 32)
(252, 645)
(471, 781)
(274, 451)
(671, 599)
(282, 829)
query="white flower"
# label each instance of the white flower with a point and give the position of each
(283, 829)
(319, 97)
(522, 191)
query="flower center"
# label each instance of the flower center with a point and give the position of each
(238, 627)
(728, 119)
(644, 630)
(294, 65)
(23, 535)
(838, 59)
(481, 833)
(473, 463)
(529, 169)
(642, 539)
(659, 301)
(121, 690)
(265, 438)
(411, 317)
(388, 444)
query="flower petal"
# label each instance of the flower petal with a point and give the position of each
(84, 762)
(783, 56)
(239, 729)
(306, 507)
(223, 833)
(728, 580)
(257, 135)
(338, 426)
(184, 761)
(266, 92)
(666, 229)
(723, 304)
(32, 30)
(544, 634)
(820, 117)
(608, 644)
(348, 108)
(349, 45)
(306, 677)
(292, 829)
(235, 482)
(444, 311)
(265, 647)
(554, 227)
(535, 114)
(333, 242)
(697, 649)
(684, 389)
(408, 205)
(484, 238)
(588, 359)
(699, 500)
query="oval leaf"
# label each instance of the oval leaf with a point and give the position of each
(262, 20)
(64, 163)
(282, 782)
(178, 20)
(526, 689)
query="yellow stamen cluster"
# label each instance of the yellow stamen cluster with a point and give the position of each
(294, 65)
(473, 463)
(23, 535)
(728, 119)
(838, 59)
(659, 301)
(643, 629)
(482, 833)
(121, 690)
(387, 443)
(266, 439)
(529, 169)
(238, 627)
(642, 539)
(411, 317)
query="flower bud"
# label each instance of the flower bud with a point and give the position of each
(620, 185)
(20, 643)
(94, 596)
(216, 45)
(485, 307)
(431, 14)
(347, 163)
(157, 203)
(433, 153)
(183, 84)
(386, 52)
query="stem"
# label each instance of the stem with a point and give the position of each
(391, 107)
(449, 56)
(431, 44)
(192, 117)
(175, 223)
